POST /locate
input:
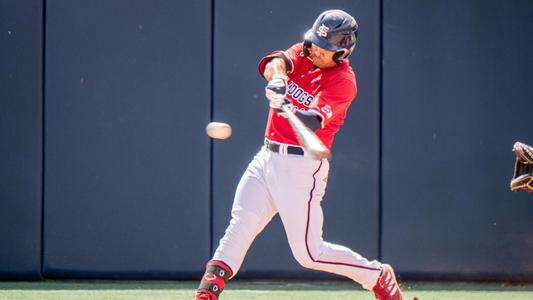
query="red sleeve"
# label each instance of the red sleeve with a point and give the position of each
(334, 99)
(293, 57)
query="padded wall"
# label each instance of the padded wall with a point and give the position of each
(127, 160)
(21, 139)
(127, 165)
(351, 201)
(456, 96)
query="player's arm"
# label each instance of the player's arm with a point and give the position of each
(333, 99)
(281, 62)
(310, 118)
(276, 74)
(274, 68)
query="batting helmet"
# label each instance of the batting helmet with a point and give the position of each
(333, 30)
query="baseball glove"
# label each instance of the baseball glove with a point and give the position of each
(523, 169)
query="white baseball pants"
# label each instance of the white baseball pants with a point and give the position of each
(293, 186)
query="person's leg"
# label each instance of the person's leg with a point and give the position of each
(217, 273)
(252, 211)
(299, 205)
(387, 287)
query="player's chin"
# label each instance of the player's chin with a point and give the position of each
(321, 64)
(318, 63)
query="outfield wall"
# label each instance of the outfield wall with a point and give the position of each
(107, 172)
(21, 144)
(457, 84)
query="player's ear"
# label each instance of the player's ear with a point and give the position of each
(307, 46)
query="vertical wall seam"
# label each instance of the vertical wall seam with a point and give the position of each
(380, 141)
(211, 115)
(43, 124)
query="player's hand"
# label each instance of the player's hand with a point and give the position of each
(276, 90)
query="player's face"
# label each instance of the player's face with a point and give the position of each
(322, 58)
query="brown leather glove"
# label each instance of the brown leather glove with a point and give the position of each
(523, 169)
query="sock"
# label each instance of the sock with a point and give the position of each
(216, 275)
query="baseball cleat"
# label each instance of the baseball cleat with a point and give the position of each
(202, 296)
(387, 287)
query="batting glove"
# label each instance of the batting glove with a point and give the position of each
(276, 90)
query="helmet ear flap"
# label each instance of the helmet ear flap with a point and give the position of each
(340, 55)
(307, 46)
(343, 54)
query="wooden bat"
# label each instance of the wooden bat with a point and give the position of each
(305, 136)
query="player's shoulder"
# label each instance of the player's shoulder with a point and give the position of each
(296, 50)
(298, 46)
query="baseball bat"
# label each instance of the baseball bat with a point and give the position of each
(305, 136)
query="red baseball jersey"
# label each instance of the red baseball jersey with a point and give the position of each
(327, 92)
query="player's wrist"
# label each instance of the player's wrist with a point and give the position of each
(280, 76)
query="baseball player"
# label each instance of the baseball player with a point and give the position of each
(316, 80)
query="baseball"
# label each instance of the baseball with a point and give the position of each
(218, 130)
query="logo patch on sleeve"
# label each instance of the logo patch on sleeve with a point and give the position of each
(327, 110)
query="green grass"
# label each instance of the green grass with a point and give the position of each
(241, 290)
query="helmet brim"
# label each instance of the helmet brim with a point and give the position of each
(320, 42)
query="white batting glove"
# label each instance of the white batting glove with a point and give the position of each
(276, 90)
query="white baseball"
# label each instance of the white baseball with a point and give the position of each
(218, 130)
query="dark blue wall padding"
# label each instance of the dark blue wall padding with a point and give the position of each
(351, 202)
(127, 159)
(21, 139)
(133, 188)
(457, 94)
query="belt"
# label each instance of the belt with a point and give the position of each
(278, 148)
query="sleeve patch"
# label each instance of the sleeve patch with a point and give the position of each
(326, 109)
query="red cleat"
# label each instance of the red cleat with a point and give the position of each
(387, 287)
(202, 296)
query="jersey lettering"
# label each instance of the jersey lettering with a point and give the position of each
(299, 94)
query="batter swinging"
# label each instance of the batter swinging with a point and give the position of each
(314, 77)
